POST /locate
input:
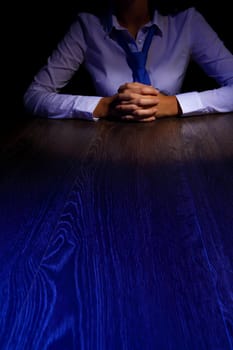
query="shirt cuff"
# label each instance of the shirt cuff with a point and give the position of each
(190, 103)
(84, 107)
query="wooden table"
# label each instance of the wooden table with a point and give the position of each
(117, 236)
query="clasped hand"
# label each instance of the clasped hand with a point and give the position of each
(137, 102)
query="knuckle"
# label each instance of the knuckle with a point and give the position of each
(140, 101)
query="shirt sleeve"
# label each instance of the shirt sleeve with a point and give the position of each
(43, 97)
(210, 53)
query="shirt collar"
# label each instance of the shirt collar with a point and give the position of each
(109, 21)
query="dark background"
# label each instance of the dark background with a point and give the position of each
(33, 30)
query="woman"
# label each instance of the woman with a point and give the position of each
(107, 45)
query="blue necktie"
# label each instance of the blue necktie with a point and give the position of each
(137, 60)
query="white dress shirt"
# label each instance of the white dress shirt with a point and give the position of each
(90, 41)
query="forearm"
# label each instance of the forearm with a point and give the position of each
(212, 101)
(59, 106)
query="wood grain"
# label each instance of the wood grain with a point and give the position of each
(117, 235)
